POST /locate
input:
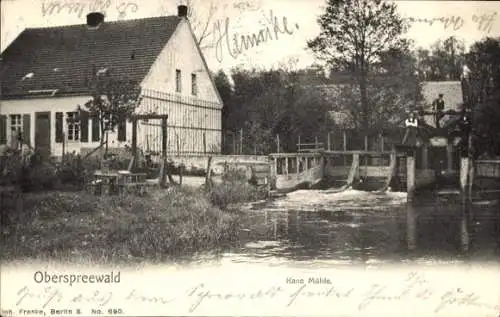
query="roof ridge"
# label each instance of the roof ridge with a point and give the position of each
(106, 22)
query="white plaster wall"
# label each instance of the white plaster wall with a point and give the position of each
(53, 105)
(182, 53)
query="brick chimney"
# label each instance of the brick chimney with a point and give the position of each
(182, 11)
(95, 19)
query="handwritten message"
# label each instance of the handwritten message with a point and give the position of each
(236, 44)
(414, 290)
(79, 8)
(483, 22)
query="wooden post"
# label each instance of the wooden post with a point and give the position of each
(164, 151)
(393, 165)
(234, 142)
(275, 167)
(204, 143)
(367, 158)
(344, 140)
(134, 143)
(381, 143)
(278, 142)
(449, 157)
(355, 163)
(329, 142)
(181, 172)
(315, 142)
(178, 144)
(286, 166)
(464, 179)
(298, 170)
(208, 174)
(63, 146)
(107, 143)
(298, 144)
(425, 157)
(410, 177)
(241, 141)
(224, 145)
(344, 145)
(411, 232)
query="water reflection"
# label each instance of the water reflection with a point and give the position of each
(360, 227)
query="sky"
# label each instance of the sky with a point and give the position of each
(246, 17)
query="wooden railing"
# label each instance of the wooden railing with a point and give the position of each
(310, 147)
(488, 168)
(294, 163)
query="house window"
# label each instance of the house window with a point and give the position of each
(73, 126)
(194, 85)
(178, 80)
(16, 125)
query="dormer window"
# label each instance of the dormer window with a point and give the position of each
(178, 80)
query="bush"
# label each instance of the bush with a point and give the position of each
(234, 189)
(39, 176)
(71, 170)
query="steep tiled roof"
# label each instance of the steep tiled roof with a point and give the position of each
(65, 57)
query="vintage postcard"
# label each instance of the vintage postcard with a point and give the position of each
(250, 158)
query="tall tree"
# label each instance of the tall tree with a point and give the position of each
(353, 35)
(483, 61)
(225, 89)
(393, 88)
(448, 57)
(269, 102)
(443, 61)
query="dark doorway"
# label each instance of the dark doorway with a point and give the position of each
(42, 133)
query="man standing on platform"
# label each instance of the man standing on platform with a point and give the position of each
(438, 107)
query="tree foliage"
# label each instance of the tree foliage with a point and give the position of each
(113, 100)
(443, 61)
(483, 60)
(354, 34)
(267, 103)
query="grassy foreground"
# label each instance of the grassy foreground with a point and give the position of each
(165, 225)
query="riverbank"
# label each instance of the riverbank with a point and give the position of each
(165, 225)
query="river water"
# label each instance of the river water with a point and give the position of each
(315, 227)
(356, 239)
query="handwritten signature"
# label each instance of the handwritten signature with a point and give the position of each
(484, 22)
(51, 7)
(246, 5)
(237, 44)
(414, 287)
